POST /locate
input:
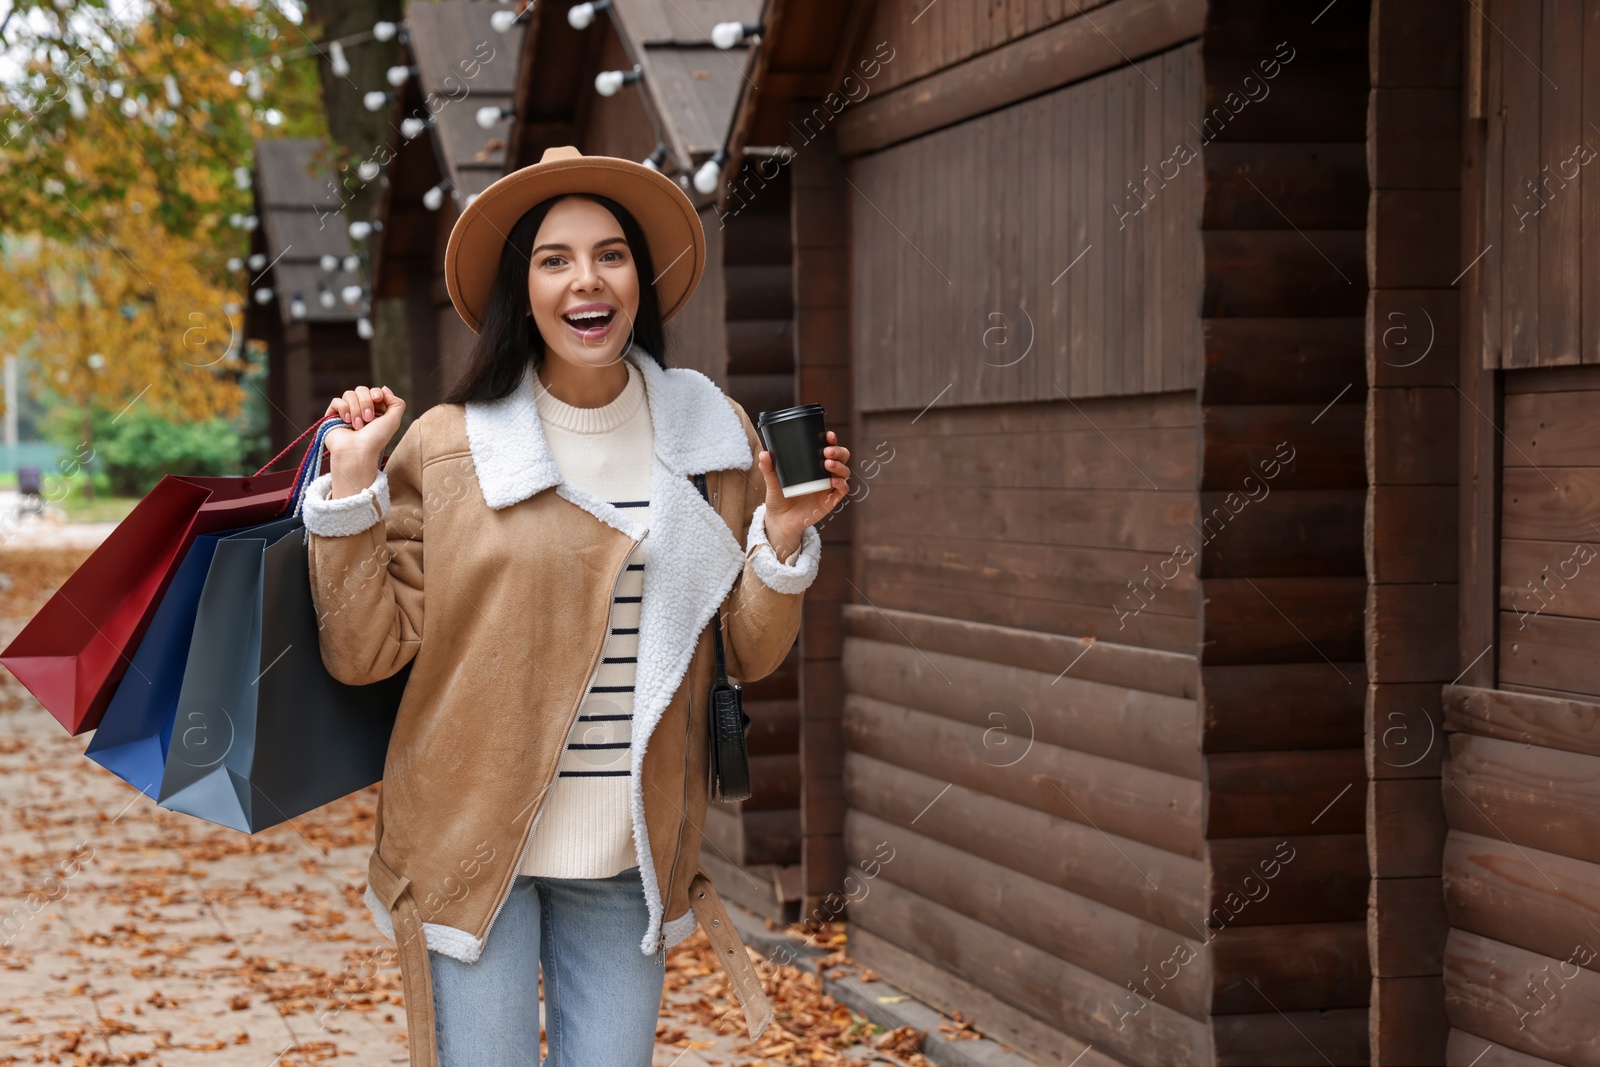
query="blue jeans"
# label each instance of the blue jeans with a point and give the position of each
(602, 995)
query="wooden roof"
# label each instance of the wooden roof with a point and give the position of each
(302, 219)
(693, 86)
(464, 65)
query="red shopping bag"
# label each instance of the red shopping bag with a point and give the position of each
(72, 654)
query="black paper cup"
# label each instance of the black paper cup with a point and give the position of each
(796, 437)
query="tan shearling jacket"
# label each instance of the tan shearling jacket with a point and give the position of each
(471, 560)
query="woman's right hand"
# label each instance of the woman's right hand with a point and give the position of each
(373, 414)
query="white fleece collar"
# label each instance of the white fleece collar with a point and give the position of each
(694, 558)
(696, 431)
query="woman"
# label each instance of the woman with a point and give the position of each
(547, 774)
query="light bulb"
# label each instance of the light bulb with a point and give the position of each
(235, 264)
(411, 127)
(351, 294)
(326, 298)
(607, 82)
(383, 31)
(502, 20)
(727, 34)
(297, 307)
(488, 116)
(263, 296)
(375, 100)
(251, 222)
(433, 199)
(360, 231)
(398, 76)
(329, 262)
(241, 177)
(352, 263)
(341, 65)
(705, 179)
(364, 328)
(581, 17)
(368, 170)
(257, 261)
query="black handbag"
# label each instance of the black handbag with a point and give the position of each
(730, 760)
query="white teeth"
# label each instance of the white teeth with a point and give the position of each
(588, 315)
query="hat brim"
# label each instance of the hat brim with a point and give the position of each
(671, 227)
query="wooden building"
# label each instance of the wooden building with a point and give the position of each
(1088, 284)
(313, 347)
(1202, 669)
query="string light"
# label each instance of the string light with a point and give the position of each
(710, 172)
(488, 116)
(412, 127)
(398, 76)
(364, 328)
(727, 34)
(607, 82)
(656, 158)
(336, 56)
(433, 199)
(375, 100)
(297, 307)
(502, 21)
(257, 261)
(582, 16)
(329, 262)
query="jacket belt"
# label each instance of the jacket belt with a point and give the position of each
(713, 919)
(416, 977)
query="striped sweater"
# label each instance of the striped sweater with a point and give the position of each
(583, 830)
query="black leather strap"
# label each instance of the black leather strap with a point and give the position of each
(730, 759)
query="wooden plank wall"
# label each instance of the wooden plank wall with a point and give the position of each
(1023, 826)
(948, 33)
(1520, 866)
(818, 339)
(1414, 170)
(1036, 516)
(1541, 206)
(1045, 250)
(1549, 548)
(1522, 876)
(1282, 493)
(1021, 777)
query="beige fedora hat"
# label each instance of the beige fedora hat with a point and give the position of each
(671, 225)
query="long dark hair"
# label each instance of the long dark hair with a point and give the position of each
(509, 339)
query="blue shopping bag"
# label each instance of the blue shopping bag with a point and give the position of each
(132, 738)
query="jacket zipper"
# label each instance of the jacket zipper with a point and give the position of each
(527, 836)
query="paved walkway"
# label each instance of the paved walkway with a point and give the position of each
(132, 934)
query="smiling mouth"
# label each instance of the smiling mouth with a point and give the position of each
(586, 321)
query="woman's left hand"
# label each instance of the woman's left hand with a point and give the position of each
(788, 517)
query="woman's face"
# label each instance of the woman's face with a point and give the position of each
(583, 287)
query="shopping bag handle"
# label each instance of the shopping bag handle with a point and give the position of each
(290, 447)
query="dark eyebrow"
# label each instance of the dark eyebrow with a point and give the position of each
(568, 248)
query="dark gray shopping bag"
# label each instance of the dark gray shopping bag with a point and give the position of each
(262, 732)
